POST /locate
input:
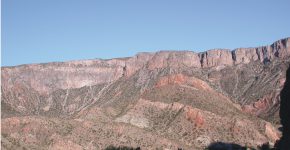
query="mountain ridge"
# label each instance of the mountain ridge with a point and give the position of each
(283, 41)
(177, 98)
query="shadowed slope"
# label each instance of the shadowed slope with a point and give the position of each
(285, 113)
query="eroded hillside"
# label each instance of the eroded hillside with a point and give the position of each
(168, 99)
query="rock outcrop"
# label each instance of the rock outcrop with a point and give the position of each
(174, 59)
(216, 57)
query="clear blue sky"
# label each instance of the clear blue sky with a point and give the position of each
(35, 31)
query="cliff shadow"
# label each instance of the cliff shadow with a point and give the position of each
(233, 146)
(284, 143)
(225, 146)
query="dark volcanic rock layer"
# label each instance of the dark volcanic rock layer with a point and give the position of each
(167, 99)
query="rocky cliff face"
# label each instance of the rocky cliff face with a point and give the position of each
(170, 96)
(45, 78)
